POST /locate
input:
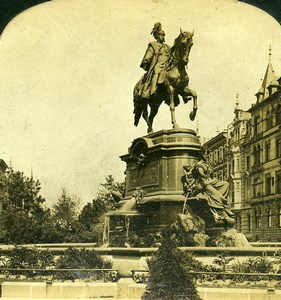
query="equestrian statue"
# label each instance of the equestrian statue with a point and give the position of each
(165, 79)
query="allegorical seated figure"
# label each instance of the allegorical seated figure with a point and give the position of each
(213, 193)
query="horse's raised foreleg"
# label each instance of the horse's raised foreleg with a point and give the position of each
(193, 94)
(172, 107)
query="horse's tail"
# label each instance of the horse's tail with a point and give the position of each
(137, 117)
(139, 103)
(138, 109)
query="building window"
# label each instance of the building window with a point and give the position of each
(279, 216)
(257, 218)
(267, 152)
(272, 117)
(278, 183)
(278, 148)
(257, 125)
(215, 157)
(247, 162)
(268, 120)
(249, 127)
(269, 218)
(257, 154)
(249, 221)
(268, 184)
(221, 154)
(238, 222)
(257, 187)
(278, 115)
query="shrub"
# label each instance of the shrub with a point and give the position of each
(82, 259)
(258, 264)
(223, 260)
(169, 278)
(192, 264)
(29, 258)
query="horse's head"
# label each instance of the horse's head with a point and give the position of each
(183, 44)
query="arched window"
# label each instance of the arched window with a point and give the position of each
(268, 120)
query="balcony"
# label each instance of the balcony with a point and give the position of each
(257, 137)
(257, 168)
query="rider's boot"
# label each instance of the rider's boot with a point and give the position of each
(153, 84)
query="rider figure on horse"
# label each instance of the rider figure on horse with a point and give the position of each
(154, 62)
(165, 79)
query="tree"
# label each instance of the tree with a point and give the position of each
(91, 217)
(92, 213)
(66, 210)
(23, 217)
(169, 277)
(20, 192)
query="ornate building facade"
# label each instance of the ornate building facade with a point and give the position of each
(237, 163)
(252, 162)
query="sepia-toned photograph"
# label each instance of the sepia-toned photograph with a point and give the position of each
(140, 151)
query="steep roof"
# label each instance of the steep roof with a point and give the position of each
(269, 80)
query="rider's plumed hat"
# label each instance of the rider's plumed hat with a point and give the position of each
(157, 29)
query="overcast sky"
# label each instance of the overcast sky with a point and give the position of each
(68, 68)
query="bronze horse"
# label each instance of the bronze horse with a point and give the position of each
(175, 83)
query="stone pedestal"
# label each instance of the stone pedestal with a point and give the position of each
(155, 165)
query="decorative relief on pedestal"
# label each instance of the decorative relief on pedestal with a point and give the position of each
(143, 176)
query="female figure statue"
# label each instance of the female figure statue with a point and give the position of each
(213, 192)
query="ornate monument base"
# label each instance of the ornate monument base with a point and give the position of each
(154, 171)
(155, 199)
